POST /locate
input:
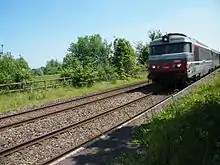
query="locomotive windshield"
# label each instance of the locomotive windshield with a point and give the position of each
(170, 48)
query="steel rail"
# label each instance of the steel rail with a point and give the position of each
(7, 126)
(79, 98)
(60, 155)
(7, 151)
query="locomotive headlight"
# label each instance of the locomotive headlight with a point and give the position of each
(178, 65)
(153, 66)
(165, 38)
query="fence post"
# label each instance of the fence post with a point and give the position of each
(64, 81)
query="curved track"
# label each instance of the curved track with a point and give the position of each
(41, 126)
(33, 114)
(95, 120)
(83, 98)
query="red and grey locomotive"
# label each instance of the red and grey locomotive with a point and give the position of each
(177, 58)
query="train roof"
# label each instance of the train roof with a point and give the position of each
(176, 38)
(215, 51)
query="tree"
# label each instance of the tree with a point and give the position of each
(1, 52)
(88, 58)
(13, 70)
(81, 75)
(124, 58)
(38, 72)
(23, 71)
(154, 34)
(52, 67)
(143, 51)
(90, 49)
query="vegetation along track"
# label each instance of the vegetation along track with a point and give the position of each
(27, 116)
(48, 146)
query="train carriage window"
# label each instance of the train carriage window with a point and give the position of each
(213, 55)
(204, 54)
(196, 53)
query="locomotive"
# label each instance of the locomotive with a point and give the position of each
(176, 58)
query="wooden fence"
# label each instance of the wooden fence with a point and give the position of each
(34, 85)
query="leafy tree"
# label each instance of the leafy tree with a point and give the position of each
(88, 60)
(81, 75)
(142, 53)
(38, 72)
(124, 58)
(23, 71)
(91, 49)
(86, 49)
(143, 49)
(13, 70)
(52, 67)
(154, 34)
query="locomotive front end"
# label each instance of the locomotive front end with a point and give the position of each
(168, 59)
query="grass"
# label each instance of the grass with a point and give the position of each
(184, 133)
(17, 100)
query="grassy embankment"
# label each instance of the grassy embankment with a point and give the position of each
(16, 100)
(184, 133)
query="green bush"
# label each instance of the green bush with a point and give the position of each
(80, 76)
(13, 70)
(90, 60)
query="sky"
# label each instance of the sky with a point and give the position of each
(40, 30)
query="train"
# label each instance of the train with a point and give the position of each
(176, 58)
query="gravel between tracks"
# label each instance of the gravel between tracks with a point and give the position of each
(27, 131)
(48, 110)
(48, 148)
(72, 99)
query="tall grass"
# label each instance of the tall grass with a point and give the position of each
(16, 100)
(184, 133)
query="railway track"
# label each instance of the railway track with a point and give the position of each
(38, 127)
(42, 150)
(52, 145)
(44, 124)
(80, 99)
(16, 119)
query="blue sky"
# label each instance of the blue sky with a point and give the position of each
(43, 29)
